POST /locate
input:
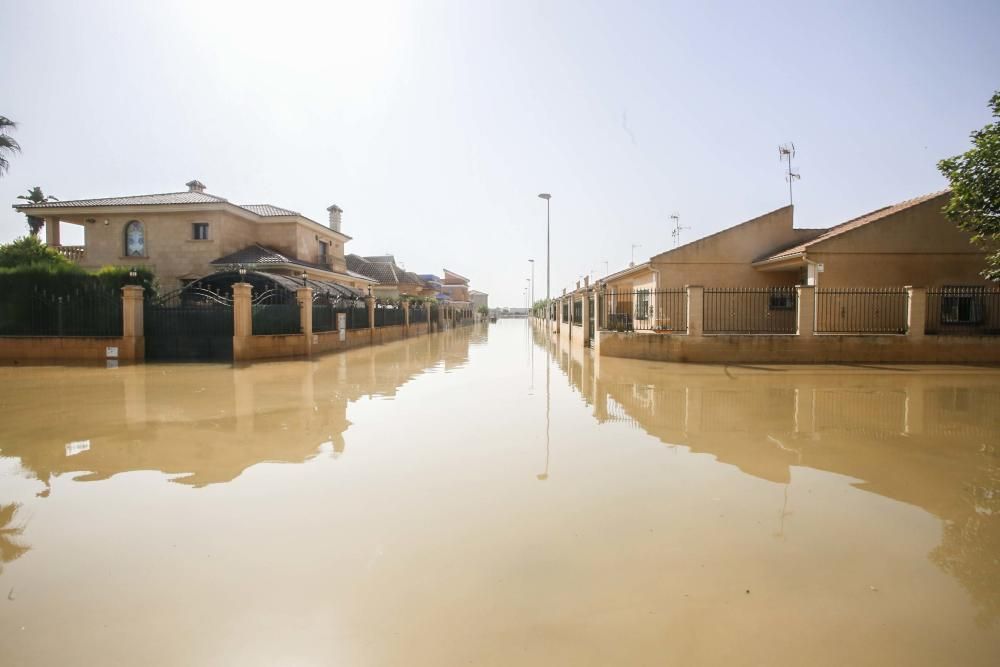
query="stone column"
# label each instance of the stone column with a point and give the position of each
(305, 299)
(52, 232)
(133, 334)
(585, 312)
(696, 310)
(370, 304)
(806, 299)
(916, 312)
(242, 321)
(406, 319)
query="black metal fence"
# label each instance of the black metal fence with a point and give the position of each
(276, 312)
(862, 310)
(647, 310)
(750, 310)
(90, 311)
(577, 311)
(565, 311)
(325, 312)
(190, 324)
(388, 314)
(963, 311)
(418, 313)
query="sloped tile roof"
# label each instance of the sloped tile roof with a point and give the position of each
(851, 225)
(267, 210)
(383, 272)
(387, 259)
(261, 256)
(136, 200)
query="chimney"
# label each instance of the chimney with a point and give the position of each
(195, 186)
(335, 212)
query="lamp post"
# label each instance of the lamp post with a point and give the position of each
(548, 247)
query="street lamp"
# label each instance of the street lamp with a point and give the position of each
(548, 247)
(304, 276)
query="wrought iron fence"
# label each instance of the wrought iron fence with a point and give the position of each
(647, 310)
(418, 313)
(863, 310)
(276, 312)
(388, 314)
(750, 310)
(325, 312)
(972, 310)
(88, 311)
(577, 311)
(565, 311)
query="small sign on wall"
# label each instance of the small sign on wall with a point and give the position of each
(111, 352)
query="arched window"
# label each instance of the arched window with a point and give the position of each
(135, 239)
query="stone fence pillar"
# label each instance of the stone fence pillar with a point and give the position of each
(304, 295)
(133, 333)
(242, 321)
(406, 318)
(806, 300)
(370, 304)
(585, 313)
(916, 312)
(696, 310)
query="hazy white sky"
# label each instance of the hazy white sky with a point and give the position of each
(434, 125)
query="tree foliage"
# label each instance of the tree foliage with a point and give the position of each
(36, 196)
(8, 145)
(29, 251)
(975, 189)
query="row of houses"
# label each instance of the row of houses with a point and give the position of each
(766, 290)
(191, 237)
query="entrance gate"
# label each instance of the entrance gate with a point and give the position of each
(189, 325)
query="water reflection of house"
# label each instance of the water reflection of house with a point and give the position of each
(926, 439)
(207, 424)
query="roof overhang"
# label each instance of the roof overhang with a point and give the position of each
(781, 262)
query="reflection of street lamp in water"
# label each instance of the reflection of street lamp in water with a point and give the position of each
(542, 476)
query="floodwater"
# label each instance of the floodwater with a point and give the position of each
(485, 497)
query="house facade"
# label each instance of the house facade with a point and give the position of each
(392, 281)
(184, 236)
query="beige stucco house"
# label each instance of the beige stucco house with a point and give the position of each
(909, 243)
(392, 281)
(183, 236)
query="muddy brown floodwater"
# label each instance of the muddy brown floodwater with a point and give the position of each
(485, 497)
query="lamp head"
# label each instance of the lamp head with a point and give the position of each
(545, 195)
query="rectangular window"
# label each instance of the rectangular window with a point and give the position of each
(642, 304)
(781, 300)
(962, 305)
(200, 231)
(322, 252)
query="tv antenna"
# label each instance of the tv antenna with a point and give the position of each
(785, 153)
(634, 246)
(676, 231)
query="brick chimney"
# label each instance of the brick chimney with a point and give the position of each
(195, 186)
(335, 212)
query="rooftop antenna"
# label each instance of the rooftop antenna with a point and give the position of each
(676, 231)
(785, 153)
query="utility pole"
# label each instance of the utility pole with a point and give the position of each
(634, 246)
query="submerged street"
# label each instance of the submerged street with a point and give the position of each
(484, 496)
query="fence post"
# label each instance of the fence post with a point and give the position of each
(406, 319)
(132, 324)
(370, 304)
(242, 321)
(585, 311)
(805, 298)
(696, 310)
(304, 295)
(916, 311)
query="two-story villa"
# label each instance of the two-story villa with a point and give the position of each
(183, 236)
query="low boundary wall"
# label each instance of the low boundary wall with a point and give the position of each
(70, 348)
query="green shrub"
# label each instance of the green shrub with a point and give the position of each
(29, 251)
(114, 277)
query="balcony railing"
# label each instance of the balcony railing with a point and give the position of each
(73, 253)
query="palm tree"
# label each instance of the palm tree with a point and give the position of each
(36, 196)
(8, 146)
(10, 547)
